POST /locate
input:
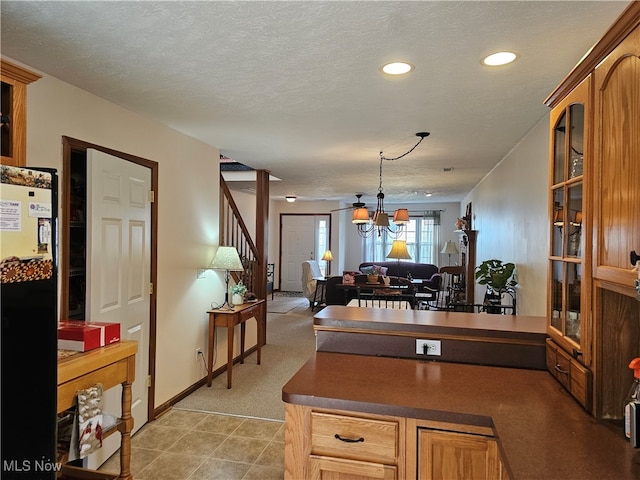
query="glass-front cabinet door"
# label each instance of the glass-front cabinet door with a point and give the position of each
(566, 312)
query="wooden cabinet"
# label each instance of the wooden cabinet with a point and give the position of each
(335, 445)
(617, 161)
(328, 444)
(594, 312)
(616, 219)
(569, 305)
(13, 109)
(443, 454)
(109, 366)
(574, 376)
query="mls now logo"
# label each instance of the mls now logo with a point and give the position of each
(31, 465)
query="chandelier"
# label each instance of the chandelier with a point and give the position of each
(379, 221)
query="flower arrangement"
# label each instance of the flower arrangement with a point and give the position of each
(239, 288)
(461, 224)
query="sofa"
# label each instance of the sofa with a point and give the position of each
(426, 272)
(423, 271)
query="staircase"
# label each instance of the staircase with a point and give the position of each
(234, 233)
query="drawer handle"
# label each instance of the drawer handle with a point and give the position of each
(349, 440)
(561, 370)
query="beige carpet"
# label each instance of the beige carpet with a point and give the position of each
(286, 304)
(257, 389)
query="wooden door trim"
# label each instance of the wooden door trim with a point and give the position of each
(69, 144)
(282, 215)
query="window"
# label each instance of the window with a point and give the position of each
(422, 237)
(322, 242)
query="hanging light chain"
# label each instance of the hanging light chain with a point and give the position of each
(422, 136)
(367, 231)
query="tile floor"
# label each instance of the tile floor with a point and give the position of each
(190, 445)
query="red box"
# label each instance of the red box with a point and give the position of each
(82, 336)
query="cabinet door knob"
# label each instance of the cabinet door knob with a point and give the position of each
(634, 257)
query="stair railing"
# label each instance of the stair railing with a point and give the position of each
(234, 233)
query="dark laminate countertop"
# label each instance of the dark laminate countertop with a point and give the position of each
(511, 326)
(544, 433)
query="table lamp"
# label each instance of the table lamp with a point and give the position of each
(399, 251)
(450, 248)
(327, 257)
(227, 259)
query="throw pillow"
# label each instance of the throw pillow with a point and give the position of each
(380, 270)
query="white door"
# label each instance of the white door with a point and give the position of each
(299, 243)
(118, 270)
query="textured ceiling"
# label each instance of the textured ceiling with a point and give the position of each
(295, 87)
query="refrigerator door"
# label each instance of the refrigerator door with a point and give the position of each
(28, 297)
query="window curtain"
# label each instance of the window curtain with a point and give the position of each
(422, 235)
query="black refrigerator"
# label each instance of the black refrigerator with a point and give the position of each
(28, 300)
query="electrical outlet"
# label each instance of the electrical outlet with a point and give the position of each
(428, 347)
(198, 353)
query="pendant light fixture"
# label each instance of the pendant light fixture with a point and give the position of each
(379, 222)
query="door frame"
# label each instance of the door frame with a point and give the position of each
(280, 237)
(69, 144)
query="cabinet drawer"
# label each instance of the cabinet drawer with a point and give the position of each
(338, 468)
(581, 384)
(354, 437)
(248, 313)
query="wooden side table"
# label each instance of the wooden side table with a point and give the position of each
(229, 319)
(109, 366)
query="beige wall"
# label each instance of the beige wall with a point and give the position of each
(187, 197)
(509, 207)
(510, 214)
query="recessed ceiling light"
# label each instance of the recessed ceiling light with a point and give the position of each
(397, 68)
(499, 58)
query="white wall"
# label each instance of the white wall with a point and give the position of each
(187, 198)
(510, 214)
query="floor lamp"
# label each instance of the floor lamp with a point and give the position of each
(327, 257)
(227, 259)
(399, 251)
(450, 248)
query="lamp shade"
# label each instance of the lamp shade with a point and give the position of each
(401, 216)
(578, 220)
(327, 257)
(360, 216)
(450, 248)
(399, 250)
(227, 258)
(381, 219)
(557, 218)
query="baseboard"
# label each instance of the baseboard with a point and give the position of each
(165, 407)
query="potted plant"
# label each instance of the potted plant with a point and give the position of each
(498, 277)
(238, 292)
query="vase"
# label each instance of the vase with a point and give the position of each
(237, 299)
